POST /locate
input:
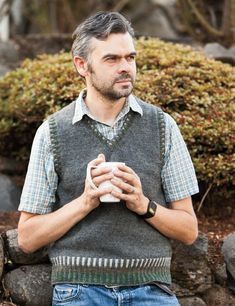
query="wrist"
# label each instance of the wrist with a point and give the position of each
(144, 206)
(150, 211)
(83, 205)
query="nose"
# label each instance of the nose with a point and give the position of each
(124, 66)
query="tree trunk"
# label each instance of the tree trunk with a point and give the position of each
(4, 20)
(228, 22)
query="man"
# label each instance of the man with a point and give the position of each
(108, 253)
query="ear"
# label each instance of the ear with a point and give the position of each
(81, 65)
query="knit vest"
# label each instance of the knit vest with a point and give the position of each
(111, 245)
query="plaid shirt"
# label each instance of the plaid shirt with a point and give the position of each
(178, 175)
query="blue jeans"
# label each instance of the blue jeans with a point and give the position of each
(95, 295)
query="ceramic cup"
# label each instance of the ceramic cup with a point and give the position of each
(107, 197)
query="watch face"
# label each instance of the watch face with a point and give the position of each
(152, 208)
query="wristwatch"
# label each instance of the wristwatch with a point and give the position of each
(151, 210)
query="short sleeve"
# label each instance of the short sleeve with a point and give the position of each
(178, 174)
(38, 195)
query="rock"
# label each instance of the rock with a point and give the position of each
(9, 53)
(11, 166)
(29, 285)
(191, 301)
(232, 49)
(230, 282)
(219, 52)
(9, 194)
(16, 256)
(2, 257)
(190, 268)
(221, 275)
(3, 70)
(163, 20)
(228, 250)
(179, 291)
(218, 296)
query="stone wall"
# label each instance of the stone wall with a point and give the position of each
(11, 182)
(26, 277)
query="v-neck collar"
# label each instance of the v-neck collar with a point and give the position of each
(111, 142)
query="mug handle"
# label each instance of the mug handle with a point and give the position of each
(88, 175)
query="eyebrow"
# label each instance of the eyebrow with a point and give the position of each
(117, 56)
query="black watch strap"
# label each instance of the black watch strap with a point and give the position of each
(151, 210)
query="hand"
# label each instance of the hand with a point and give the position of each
(129, 182)
(90, 195)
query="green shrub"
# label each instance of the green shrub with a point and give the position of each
(198, 92)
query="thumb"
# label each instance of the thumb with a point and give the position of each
(101, 156)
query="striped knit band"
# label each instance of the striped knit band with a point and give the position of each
(106, 271)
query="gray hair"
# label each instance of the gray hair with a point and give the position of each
(98, 26)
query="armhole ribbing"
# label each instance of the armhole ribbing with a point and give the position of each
(162, 132)
(162, 126)
(54, 143)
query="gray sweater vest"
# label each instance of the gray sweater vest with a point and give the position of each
(111, 245)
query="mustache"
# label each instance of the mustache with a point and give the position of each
(124, 76)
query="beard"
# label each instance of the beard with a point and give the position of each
(108, 90)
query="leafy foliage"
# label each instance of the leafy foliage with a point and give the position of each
(198, 92)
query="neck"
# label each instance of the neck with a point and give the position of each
(103, 109)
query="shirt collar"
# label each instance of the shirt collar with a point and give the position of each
(81, 108)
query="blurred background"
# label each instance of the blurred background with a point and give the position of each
(203, 20)
(31, 27)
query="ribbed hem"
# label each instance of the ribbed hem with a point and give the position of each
(116, 272)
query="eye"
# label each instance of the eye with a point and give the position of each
(131, 57)
(111, 59)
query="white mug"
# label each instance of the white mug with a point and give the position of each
(107, 197)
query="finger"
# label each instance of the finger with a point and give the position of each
(97, 161)
(102, 157)
(121, 196)
(131, 178)
(103, 177)
(97, 193)
(100, 171)
(125, 168)
(122, 185)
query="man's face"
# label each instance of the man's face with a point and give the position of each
(112, 67)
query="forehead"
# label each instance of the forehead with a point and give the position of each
(119, 44)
